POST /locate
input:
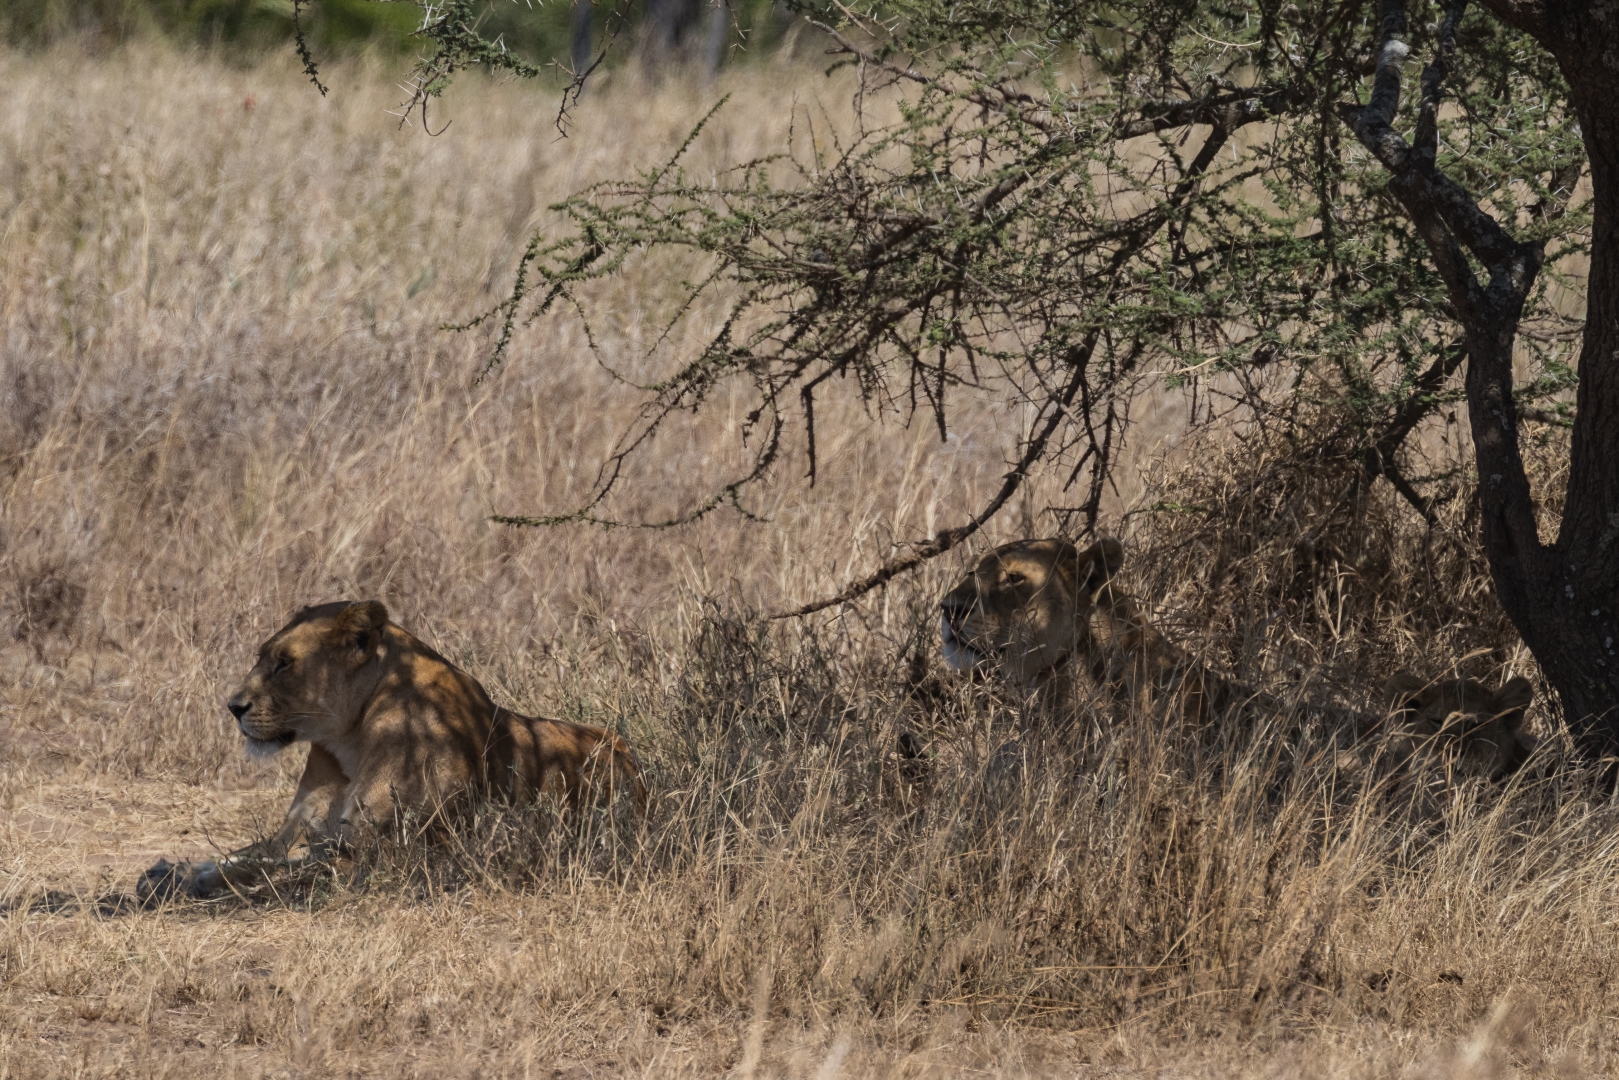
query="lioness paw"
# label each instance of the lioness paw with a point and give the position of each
(165, 880)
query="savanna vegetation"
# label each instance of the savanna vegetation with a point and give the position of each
(1037, 223)
(228, 392)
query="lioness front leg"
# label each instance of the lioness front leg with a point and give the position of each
(320, 790)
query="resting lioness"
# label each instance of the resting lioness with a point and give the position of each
(392, 727)
(1033, 608)
(1482, 728)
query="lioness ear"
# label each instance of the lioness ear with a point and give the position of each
(361, 623)
(1402, 689)
(1516, 693)
(1098, 563)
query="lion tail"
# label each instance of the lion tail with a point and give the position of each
(626, 764)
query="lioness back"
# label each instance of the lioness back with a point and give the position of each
(530, 755)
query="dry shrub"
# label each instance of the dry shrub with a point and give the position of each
(1267, 547)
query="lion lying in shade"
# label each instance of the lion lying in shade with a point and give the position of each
(392, 727)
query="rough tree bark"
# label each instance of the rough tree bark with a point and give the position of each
(1573, 610)
(1562, 597)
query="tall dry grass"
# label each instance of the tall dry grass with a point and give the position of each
(225, 396)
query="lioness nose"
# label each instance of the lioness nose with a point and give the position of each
(238, 707)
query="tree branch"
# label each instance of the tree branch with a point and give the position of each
(1056, 408)
(1419, 502)
(1373, 125)
(1006, 103)
(1416, 408)
(1230, 110)
(1443, 211)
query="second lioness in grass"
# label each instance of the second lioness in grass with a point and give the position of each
(1033, 609)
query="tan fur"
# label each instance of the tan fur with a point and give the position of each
(1481, 728)
(392, 727)
(1137, 662)
(1032, 608)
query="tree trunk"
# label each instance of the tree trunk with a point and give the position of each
(1564, 598)
(583, 14)
(667, 32)
(719, 28)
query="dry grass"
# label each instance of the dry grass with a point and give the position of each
(224, 397)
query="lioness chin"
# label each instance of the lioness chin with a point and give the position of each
(391, 726)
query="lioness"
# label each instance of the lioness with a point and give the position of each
(1032, 607)
(1483, 728)
(391, 725)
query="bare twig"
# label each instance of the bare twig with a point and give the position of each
(946, 539)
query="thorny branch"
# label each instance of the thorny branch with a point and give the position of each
(1034, 448)
(1001, 233)
(1449, 220)
(1441, 209)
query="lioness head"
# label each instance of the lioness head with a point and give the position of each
(1484, 726)
(1026, 606)
(312, 677)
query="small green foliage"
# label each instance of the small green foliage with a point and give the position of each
(451, 26)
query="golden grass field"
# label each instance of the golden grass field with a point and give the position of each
(223, 395)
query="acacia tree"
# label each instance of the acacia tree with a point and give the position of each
(1563, 597)
(1074, 197)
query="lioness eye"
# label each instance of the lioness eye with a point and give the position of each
(281, 664)
(1013, 577)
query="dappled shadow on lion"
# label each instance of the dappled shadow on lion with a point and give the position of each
(392, 727)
